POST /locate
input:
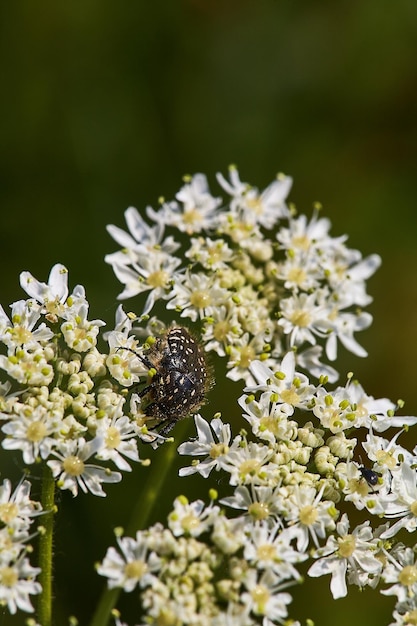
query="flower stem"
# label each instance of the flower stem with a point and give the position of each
(160, 469)
(45, 548)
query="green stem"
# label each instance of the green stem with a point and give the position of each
(45, 548)
(160, 468)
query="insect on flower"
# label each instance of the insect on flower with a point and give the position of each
(369, 476)
(180, 378)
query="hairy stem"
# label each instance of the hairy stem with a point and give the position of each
(45, 548)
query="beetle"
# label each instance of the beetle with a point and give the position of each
(180, 378)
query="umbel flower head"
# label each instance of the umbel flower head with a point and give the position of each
(257, 278)
(65, 405)
(59, 404)
(271, 291)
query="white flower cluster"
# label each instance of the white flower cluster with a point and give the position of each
(297, 481)
(259, 278)
(17, 576)
(207, 569)
(269, 290)
(61, 404)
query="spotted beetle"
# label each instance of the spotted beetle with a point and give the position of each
(181, 380)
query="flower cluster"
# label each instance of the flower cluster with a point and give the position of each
(207, 569)
(64, 402)
(296, 481)
(17, 576)
(271, 291)
(257, 277)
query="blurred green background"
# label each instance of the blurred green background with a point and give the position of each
(107, 104)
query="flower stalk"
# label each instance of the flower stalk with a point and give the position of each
(46, 538)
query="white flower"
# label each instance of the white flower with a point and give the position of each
(252, 207)
(133, 566)
(249, 464)
(349, 406)
(79, 333)
(305, 316)
(73, 472)
(191, 518)
(359, 488)
(151, 272)
(258, 503)
(17, 584)
(370, 412)
(350, 553)
(386, 453)
(402, 501)
(51, 295)
(264, 596)
(269, 419)
(309, 514)
(21, 331)
(401, 572)
(212, 254)
(16, 508)
(334, 410)
(284, 383)
(222, 327)
(213, 448)
(147, 260)
(197, 210)
(32, 431)
(143, 239)
(270, 549)
(343, 326)
(299, 274)
(123, 361)
(303, 237)
(120, 440)
(194, 293)
(242, 352)
(347, 277)
(228, 534)
(29, 368)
